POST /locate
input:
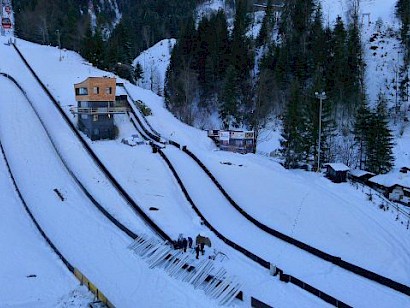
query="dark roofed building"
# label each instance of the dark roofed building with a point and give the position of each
(337, 172)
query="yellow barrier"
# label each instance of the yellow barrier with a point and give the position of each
(99, 295)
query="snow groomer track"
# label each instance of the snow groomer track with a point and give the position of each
(335, 260)
(261, 257)
(157, 253)
(94, 157)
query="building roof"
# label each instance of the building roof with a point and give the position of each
(120, 91)
(391, 179)
(338, 166)
(359, 173)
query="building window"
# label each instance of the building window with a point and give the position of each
(95, 117)
(81, 91)
(84, 116)
(108, 90)
(96, 90)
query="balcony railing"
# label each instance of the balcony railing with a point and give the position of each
(98, 110)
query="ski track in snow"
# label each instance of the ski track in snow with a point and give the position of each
(54, 120)
(92, 238)
(167, 124)
(154, 186)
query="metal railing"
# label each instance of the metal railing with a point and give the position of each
(382, 197)
(98, 110)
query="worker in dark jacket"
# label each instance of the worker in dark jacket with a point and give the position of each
(184, 244)
(197, 251)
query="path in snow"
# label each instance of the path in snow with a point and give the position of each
(335, 281)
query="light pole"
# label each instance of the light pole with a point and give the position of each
(59, 42)
(321, 96)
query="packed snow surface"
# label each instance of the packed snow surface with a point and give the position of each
(336, 218)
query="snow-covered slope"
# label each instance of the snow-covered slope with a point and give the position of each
(154, 62)
(29, 266)
(144, 169)
(335, 218)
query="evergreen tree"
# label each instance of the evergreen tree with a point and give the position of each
(317, 42)
(119, 46)
(329, 133)
(265, 95)
(296, 49)
(228, 108)
(403, 12)
(242, 58)
(146, 22)
(93, 48)
(212, 53)
(336, 78)
(181, 85)
(355, 67)
(138, 73)
(267, 25)
(292, 143)
(361, 129)
(379, 140)
(241, 55)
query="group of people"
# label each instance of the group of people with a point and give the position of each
(185, 243)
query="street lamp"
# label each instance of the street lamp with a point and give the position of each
(321, 96)
(59, 42)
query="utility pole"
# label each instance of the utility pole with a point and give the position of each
(321, 96)
(59, 42)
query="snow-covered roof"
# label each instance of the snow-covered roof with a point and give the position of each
(120, 91)
(338, 166)
(391, 179)
(359, 173)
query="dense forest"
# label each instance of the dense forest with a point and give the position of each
(219, 68)
(104, 42)
(213, 68)
(403, 12)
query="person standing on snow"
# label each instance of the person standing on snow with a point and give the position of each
(197, 251)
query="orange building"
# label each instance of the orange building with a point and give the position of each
(96, 106)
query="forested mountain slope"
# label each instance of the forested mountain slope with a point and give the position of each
(106, 32)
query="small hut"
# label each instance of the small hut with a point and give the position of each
(337, 172)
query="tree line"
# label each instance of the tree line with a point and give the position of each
(403, 13)
(107, 43)
(213, 69)
(210, 69)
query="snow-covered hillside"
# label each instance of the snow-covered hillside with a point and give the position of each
(382, 51)
(336, 218)
(154, 62)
